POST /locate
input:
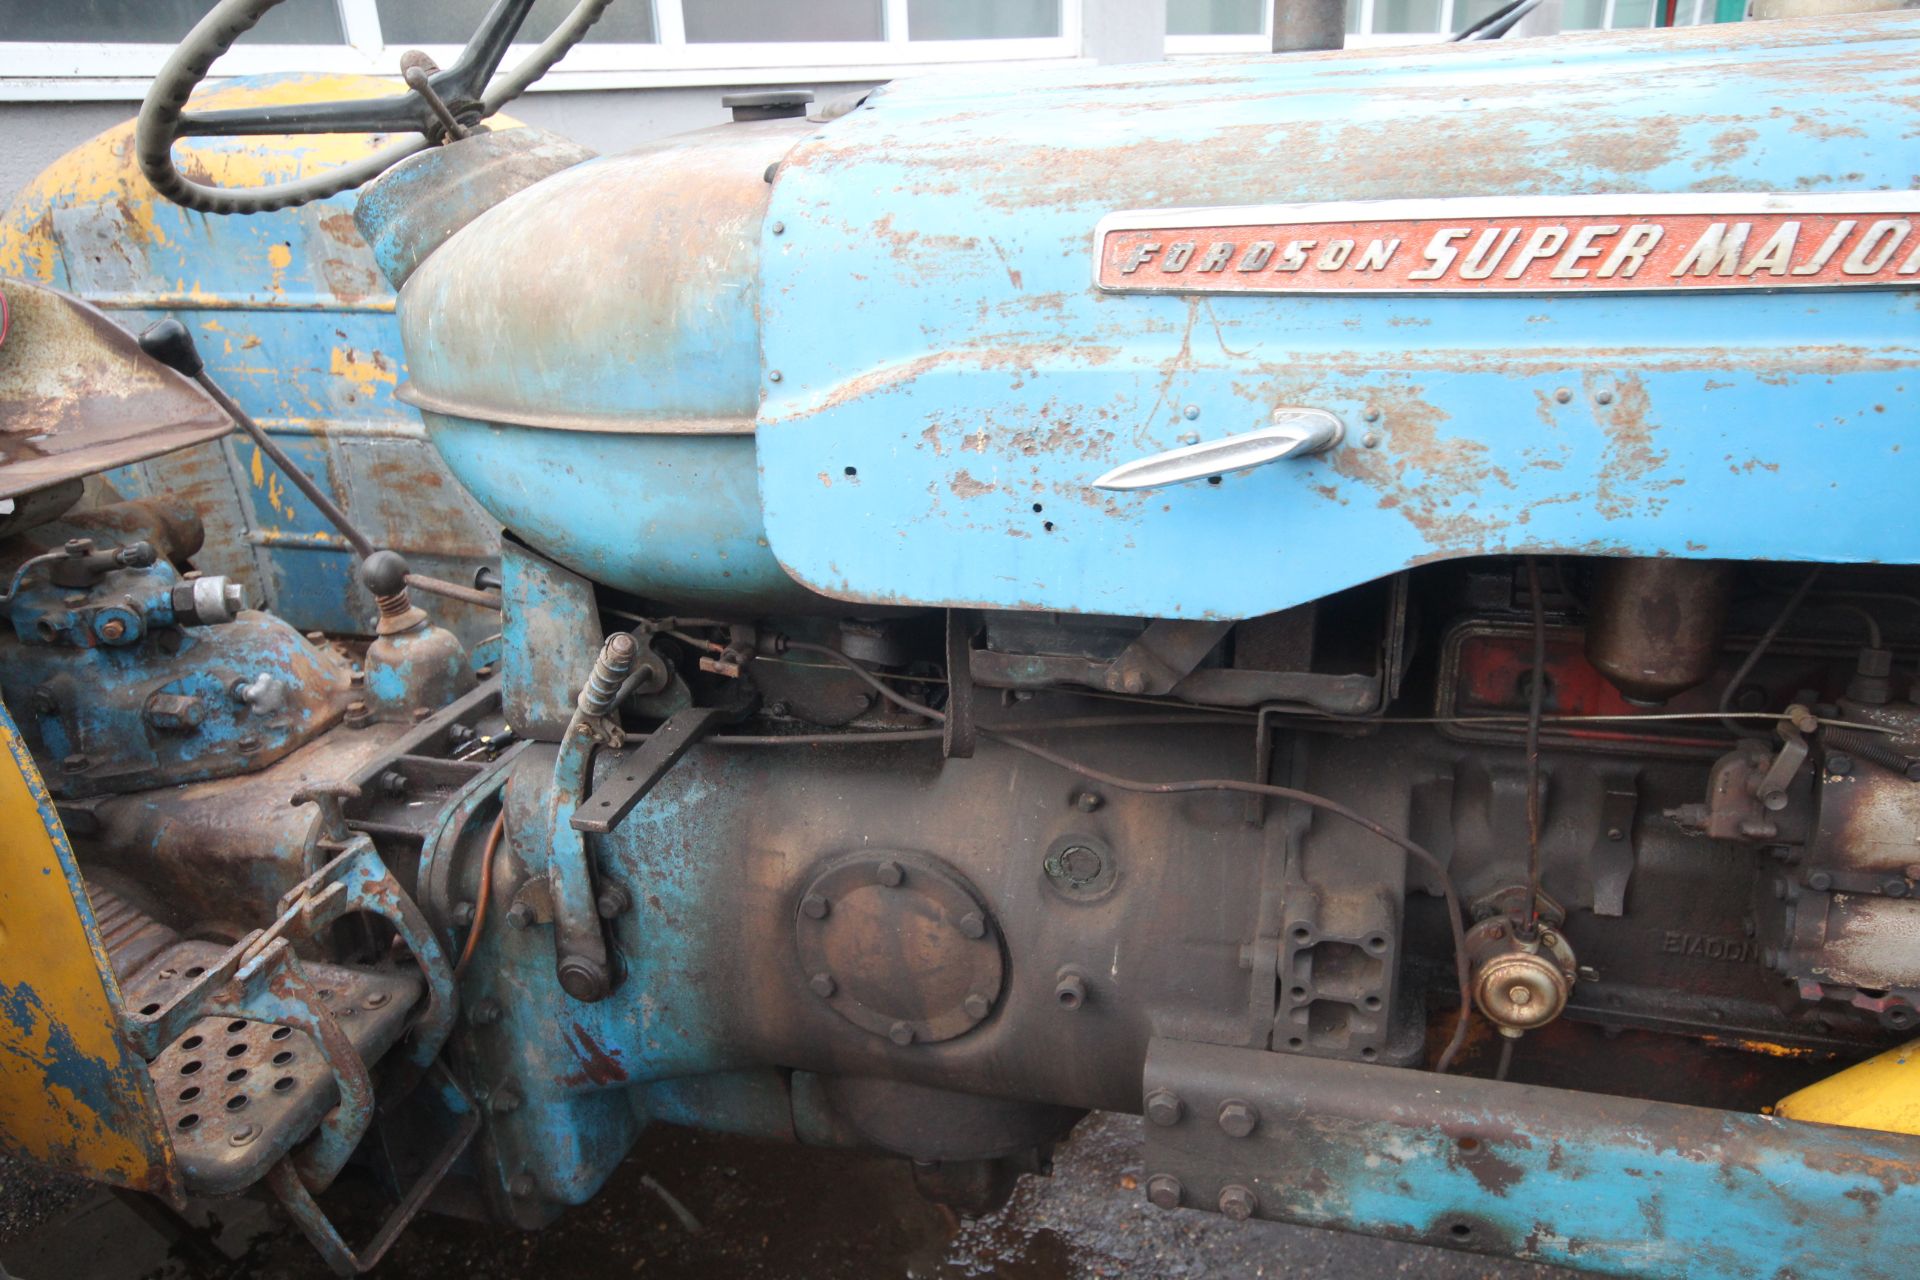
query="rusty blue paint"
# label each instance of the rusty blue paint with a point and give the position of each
(936, 441)
(1614, 1185)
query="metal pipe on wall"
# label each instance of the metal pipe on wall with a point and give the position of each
(1300, 25)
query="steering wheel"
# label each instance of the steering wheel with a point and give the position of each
(442, 106)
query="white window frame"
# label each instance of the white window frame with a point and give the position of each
(1366, 37)
(66, 72)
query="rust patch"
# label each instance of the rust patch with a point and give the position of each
(597, 1066)
(965, 486)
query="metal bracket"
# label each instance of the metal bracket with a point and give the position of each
(957, 734)
(601, 812)
(1612, 859)
(1163, 655)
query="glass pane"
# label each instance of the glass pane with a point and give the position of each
(1468, 12)
(737, 21)
(981, 19)
(1216, 17)
(161, 21)
(1397, 16)
(1633, 13)
(408, 22)
(1582, 15)
(1353, 17)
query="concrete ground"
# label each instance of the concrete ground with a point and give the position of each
(765, 1212)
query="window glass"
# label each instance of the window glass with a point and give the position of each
(1468, 12)
(736, 21)
(1397, 16)
(1633, 13)
(161, 21)
(982, 19)
(1582, 15)
(407, 22)
(1216, 17)
(1353, 17)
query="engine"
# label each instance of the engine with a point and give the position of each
(1168, 590)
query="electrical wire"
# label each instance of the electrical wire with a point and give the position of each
(486, 892)
(1760, 646)
(1455, 914)
(1536, 704)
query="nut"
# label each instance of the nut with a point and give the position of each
(1238, 1118)
(1237, 1202)
(519, 915)
(977, 1006)
(823, 985)
(889, 874)
(1163, 1191)
(900, 1033)
(814, 907)
(972, 925)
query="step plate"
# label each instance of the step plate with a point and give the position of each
(237, 1095)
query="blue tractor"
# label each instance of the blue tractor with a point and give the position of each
(1350, 603)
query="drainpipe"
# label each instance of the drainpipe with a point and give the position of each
(1299, 25)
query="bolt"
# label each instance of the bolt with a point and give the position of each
(248, 744)
(505, 1101)
(889, 874)
(778, 228)
(1238, 1118)
(823, 985)
(45, 702)
(1086, 802)
(519, 915)
(113, 629)
(1520, 995)
(1561, 395)
(1070, 991)
(394, 783)
(463, 914)
(972, 925)
(421, 713)
(1191, 412)
(1163, 1191)
(777, 708)
(1372, 415)
(977, 1006)
(1498, 932)
(485, 1013)
(1547, 939)
(1164, 1107)
(1616, 834)
(901, 1034)
(814, 907)
(773, 375)
(1371, 440)
(1839, 762)
(75, 764)
(1603, 397)
(378, 999)
(243, 1135)
(521, 1186)
(1819, 880)
(1894, 888)
(1237, 1202)
(613, 902)
(1133, 682)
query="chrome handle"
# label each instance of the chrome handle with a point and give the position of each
(1295, 433)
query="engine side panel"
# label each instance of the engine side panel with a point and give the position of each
(977, 382)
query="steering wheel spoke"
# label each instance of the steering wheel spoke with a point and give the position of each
(470, 88)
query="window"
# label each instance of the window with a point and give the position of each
(112, 48)
(1232, 26)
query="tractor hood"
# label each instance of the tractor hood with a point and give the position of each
(957, 308)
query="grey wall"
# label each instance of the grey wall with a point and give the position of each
(35, 134)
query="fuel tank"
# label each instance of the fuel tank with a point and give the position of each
(883, 359)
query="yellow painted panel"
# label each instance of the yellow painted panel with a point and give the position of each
(72, 1094)
(1880, 1093)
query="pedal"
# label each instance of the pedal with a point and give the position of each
(238, 1095)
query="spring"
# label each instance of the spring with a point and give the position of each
(609, 672)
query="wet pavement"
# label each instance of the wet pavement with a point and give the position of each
(766, 1212)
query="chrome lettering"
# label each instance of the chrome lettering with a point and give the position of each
(1632, 250)
(1835, 238)
(1479, 265)
(1716, 252)
(1219, 254)
(1543, 243)
(1258, 254)
(1138, 258)
(1295, 255)
(1581, 249)
(1439, 252)
(1377, 255)
(1776, 255)
(1335, 255)
(1882, 241)
(1177, 255)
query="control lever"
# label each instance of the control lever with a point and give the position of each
(1294, 433)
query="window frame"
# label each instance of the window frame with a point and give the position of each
(1702, 12)
(81, 71)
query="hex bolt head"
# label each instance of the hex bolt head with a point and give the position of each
(972, 925)
(1839, 762)
(822, 985)
(613, 902)
(1163, 1191)
(901, 1034)
(1894, 888)
(1164, 1107)
(485, 1013)
(505, 1100)
(463, 915)
(889, 874)
(1238, 1118)
(1086, 802)
(1561, 395)
(977, 1006)
(1237, 1202)
(814, 907)
(1603, 397)
(112, 629)
(519, 915)
(1820, 880)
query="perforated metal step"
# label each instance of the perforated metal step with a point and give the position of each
(238, 1095)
